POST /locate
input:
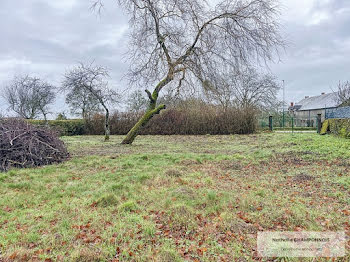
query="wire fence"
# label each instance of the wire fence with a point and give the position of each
(340, 112)
(288, 123)
(279, 121)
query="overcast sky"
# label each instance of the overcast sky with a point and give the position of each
(45, 38)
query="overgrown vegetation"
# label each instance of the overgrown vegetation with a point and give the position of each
(193, 117)
(174, 198)
(339, 127)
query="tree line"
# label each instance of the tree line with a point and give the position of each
(87, 92)
(180, 45)
(176, 47)
(86, 87)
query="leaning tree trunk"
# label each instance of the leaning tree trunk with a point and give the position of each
(152, 110)
(107, 127)
(130, 137)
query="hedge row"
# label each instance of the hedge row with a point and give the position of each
(199, 119)
(339, 127)
(182, 121)
(72, 127)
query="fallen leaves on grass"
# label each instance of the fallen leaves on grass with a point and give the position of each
(87, 234)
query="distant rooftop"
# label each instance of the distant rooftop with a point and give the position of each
(318, 102)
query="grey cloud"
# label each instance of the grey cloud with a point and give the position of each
(317, 57)
(44, 38)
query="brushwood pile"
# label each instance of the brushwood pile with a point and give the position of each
(23, 145)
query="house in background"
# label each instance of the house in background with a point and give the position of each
(306, 111)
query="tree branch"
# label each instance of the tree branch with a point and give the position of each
(149, 95)
(160, 37)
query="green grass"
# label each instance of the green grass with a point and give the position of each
(174, 198)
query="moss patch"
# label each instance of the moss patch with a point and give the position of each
(339, 127)
(324, 128)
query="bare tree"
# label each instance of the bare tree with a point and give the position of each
(174, 41)
(247, 88)
(82, 103)
(344, 93)
(220, 87)
(257, 90)
(137, 102)
(29, 96)
(91, 79)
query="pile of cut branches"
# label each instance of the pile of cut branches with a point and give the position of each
(23, 145)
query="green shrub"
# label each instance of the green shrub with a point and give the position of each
(339, 127)
(72, 127)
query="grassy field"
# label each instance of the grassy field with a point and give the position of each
(176, 198)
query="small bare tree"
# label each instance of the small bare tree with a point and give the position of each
(247, 88)
(82, 103)
(91, 79)
(29, 96)
(257, 90)
(344, 93)
(137, 102)
(174, 41)
(220, 87)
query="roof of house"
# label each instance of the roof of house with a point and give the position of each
(318, 102)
